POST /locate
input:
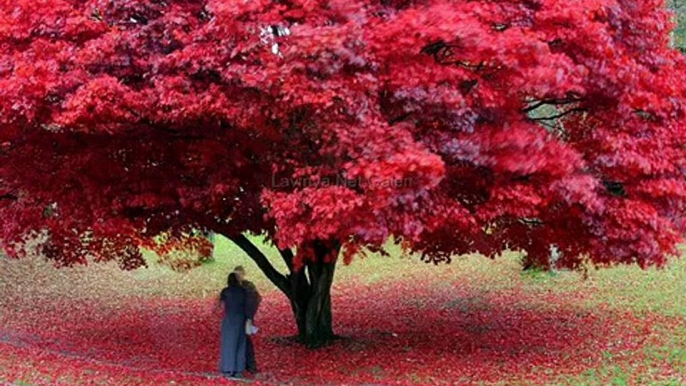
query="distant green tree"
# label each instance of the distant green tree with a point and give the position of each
(679, 34)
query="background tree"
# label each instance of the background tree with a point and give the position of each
(678, 7)
(333, 125)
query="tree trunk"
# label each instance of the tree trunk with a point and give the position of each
(299, 298)
(308, 289)
(311, 304)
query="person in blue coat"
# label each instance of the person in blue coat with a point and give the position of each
(237, 311)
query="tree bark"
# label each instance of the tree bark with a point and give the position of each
(308, 289)
(299, 299)
(310, 295)
(317, 319)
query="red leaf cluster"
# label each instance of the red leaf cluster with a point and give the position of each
(454, 126)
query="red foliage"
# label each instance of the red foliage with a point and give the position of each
(456, 126)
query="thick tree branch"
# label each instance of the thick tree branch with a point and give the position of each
(279, 280)
(287, 255)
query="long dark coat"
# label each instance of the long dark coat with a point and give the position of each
(237, 309)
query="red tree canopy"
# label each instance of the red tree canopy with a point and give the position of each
(455, 126)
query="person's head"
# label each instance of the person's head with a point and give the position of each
(240, 271)
(233, 280)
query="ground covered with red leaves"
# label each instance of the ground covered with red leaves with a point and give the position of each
(421, 328)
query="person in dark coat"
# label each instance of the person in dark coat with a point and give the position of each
(254, 300)
(237, 311)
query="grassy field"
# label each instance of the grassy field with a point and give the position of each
(475, 321)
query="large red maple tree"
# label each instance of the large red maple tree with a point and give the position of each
(450, 126)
